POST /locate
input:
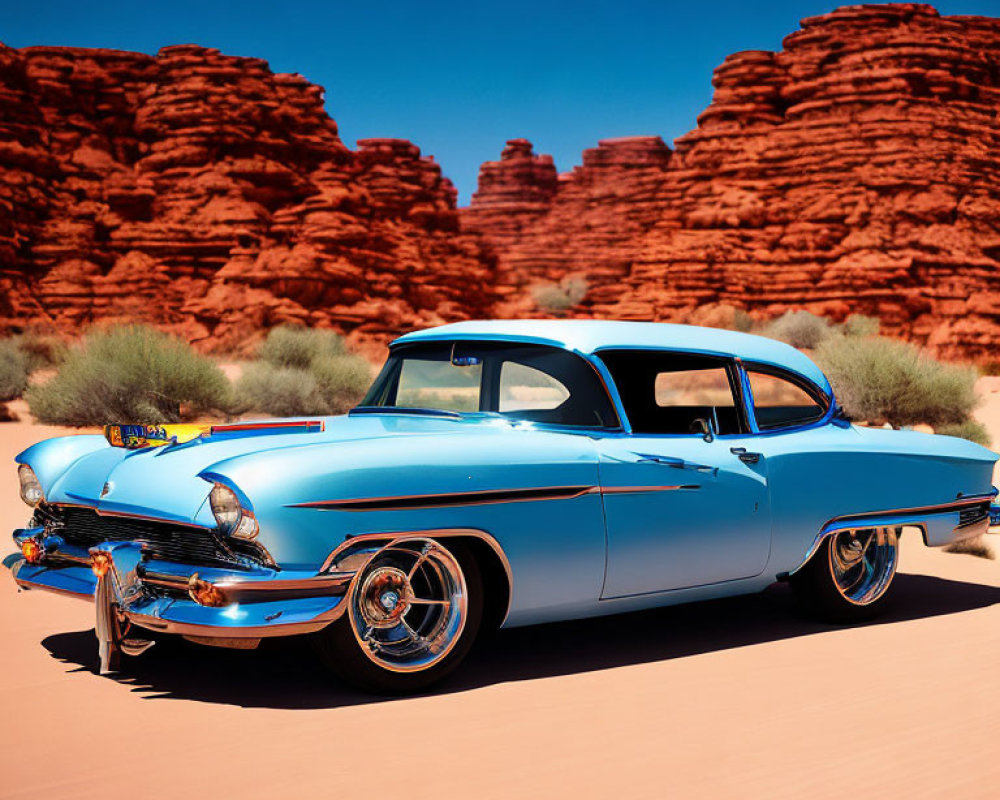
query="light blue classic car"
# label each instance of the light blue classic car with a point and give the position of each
(497, 473)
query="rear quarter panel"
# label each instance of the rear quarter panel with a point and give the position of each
(831, 471)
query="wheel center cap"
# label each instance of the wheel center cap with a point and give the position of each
(389, 600)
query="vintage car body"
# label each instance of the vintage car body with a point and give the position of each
(564, 521)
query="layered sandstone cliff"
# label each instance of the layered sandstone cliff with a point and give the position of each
(854, 171)
(204, 193)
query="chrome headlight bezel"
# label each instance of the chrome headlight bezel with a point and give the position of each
(231, 515)
(31, 489)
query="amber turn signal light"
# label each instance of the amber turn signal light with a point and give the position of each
(204, 593)
(32, 551)
(100, 563)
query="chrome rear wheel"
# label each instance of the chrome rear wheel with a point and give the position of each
(863, 563)
(850, 576)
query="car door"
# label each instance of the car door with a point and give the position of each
(682, 508)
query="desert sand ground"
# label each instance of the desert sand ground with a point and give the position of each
(737, 698)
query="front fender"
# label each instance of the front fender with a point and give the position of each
(496, 482)
(51, 458)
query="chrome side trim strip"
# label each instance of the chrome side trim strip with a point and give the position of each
(642, 489)
(938, 508)
(478, 498)
(450, 499)
(836, 524)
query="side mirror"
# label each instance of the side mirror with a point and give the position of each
(704, 427)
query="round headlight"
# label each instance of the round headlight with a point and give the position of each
(31, 489)
(233, 519)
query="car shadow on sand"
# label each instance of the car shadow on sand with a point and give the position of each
(285, 674)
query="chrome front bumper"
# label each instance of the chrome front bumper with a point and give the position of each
(168, 597)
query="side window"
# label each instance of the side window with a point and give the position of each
(780, 403)
(704, 387)
(666, 392)
(524, 388)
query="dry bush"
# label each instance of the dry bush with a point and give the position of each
(721, 315)
(971, 429)
(800, 329)
(883, 380)
(129, 374)
(303, 372)
(860, 325)
(557, 298)
(14, 370)
(972, 547)
(299, 347)
(43, 350)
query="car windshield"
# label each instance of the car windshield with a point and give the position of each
(520, 381)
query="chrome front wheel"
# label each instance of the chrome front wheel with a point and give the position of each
(409, 606)
(413, 613)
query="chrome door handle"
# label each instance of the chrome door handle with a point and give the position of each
(745, 455)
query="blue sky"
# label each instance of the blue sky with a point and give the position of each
(459, 78)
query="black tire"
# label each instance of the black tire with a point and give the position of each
(816, 585)
(344, 655)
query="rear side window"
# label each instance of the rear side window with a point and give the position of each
(673, 393)
(780, 402)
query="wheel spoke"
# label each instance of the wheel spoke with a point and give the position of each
(427, 601)
(419, 563)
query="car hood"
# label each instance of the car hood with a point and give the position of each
(173, 482)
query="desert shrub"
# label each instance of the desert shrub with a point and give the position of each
(882, 380)
(799, 329)
(342, 381)
(303, 372)
(972, 547)
(860, 325)
(557, 298)
(742, 321)
(298, 347)
(42, 350)
(281, 391)
(971, 429)
(130, 374)
(14, 370)
(719, 315)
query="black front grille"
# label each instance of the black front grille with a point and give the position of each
(972, 514)
(165, 541)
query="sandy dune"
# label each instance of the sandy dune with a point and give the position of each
(736, 698)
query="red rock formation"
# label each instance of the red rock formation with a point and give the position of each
(854, 171)
(204, 193)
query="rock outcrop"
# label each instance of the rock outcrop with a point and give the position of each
(208, 195)
(854, 171)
